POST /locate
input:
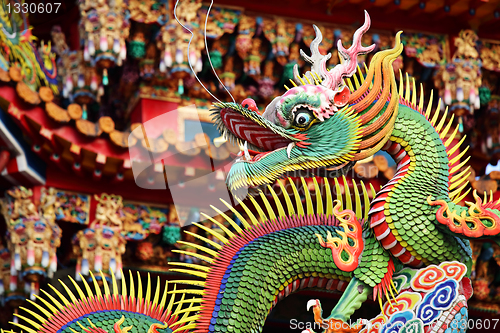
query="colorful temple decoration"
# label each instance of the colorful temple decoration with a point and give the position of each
(72, 207)
(20, 59)
(430, 50)
(99, 247)
(459, 80)
(32, 237)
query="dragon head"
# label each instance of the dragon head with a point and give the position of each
(317, 125)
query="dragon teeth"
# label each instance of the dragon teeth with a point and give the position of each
(289, 148)
(245, 149)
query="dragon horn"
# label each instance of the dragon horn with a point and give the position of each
(349, 57)
(317, 60)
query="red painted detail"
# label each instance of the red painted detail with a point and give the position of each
(467, 289)
(341, 98)
(248, 130)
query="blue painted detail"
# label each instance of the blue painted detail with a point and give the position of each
(397, 321)
(435, 302)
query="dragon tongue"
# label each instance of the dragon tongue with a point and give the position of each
(289, 148)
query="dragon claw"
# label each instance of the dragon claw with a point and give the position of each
(311, 303)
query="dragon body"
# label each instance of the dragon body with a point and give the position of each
(413, 226)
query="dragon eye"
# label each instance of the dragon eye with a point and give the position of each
(303, 118)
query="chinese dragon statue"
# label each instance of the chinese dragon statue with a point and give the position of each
(407, 247)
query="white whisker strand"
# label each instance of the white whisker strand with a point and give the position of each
(208, 54)
(189, 45)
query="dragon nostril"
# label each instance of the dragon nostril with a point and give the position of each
(250, 104)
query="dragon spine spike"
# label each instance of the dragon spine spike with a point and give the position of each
(227, 218)
(248, 212)
(257, 207)
(78, 313)
(429, 106)
(201, 248)
(444, 132)
(457, 191)
(414, 97)
(452, 136)
(196, 255)
(213, 233)
(453, 149)
(360, 74)
(307, 194)
(436, 113)
(277, 202)
(220, 225)
(460, 176)
(238, 215)
(61, 296)
(401, 80)
(355, 79)
(459, 166)
(298, 201)
(357, 198)
(348, 198)
(338, 192)
(441, 123)
(459, 156)
(459, 181)
(269, 209)
(408, 90)
(421, 101)
(319, 199)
